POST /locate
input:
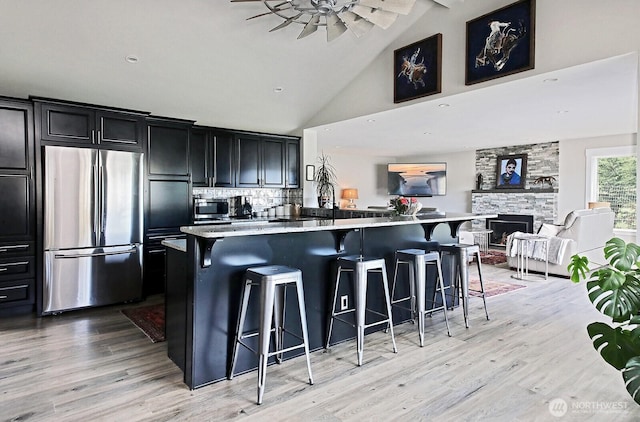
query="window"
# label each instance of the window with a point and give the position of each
(611, 177)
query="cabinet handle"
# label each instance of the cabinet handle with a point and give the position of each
(3, 269)
(156, 252)
(12, 248)
(98, 137)
(4, 297)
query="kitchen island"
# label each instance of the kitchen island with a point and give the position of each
(205, 279)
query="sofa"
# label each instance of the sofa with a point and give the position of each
(584, 232)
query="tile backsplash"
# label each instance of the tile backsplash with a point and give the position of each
(260, 198)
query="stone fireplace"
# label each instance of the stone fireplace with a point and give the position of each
(537, 200)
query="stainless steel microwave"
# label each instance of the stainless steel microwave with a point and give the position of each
(205, 209)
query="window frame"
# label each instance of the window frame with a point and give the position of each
(591, 178)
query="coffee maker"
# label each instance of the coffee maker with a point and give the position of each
(242, 207)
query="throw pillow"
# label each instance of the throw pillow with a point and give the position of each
(549, 230)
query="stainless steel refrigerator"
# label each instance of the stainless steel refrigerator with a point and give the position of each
(93, 222)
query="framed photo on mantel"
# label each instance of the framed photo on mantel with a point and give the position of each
(417, 69)
(511, 171)
(501, 42)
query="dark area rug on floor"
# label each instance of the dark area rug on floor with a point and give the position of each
(150, 319)
(493, 257)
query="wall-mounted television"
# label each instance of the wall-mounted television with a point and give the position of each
(410, 179)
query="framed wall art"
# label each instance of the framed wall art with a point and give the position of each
(511, 171)
(501, 42)
(417, 69)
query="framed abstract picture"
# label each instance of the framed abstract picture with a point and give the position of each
(501, 42)
(417, 69)
(511, 171)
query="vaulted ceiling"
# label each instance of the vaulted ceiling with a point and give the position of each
(202, 60)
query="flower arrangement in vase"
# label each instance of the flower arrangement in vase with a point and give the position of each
(405, 206)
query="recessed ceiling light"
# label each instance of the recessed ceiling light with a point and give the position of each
(327, 129)
(131, 58)
(550, 80)
(278, 89)
(562, 111)
(443, 105)
(427, 133)
(371, 120)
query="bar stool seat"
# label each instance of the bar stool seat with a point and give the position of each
(461, 254)
(418, 260)
(273, 281)
(360, 267)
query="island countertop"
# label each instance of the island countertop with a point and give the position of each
(262, 228)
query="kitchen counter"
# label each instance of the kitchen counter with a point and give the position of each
(204, 285)
(306, 224)
(177, 244)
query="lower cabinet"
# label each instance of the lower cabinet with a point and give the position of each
(17, 272)
(154, 275)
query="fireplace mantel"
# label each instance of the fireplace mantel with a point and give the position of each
(506, 190)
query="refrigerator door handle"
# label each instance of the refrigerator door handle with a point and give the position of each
(89, 255)
(101, 207)
(95, 182)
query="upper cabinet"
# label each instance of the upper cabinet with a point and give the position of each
(292, 161)
(211, 154)
(86, 125)
(168, 148)
(266, 161)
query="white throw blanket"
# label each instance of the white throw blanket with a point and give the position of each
(557, 246)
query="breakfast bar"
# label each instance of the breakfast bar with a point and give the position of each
(205, 277)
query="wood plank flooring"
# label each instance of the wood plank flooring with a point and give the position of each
(96, 365)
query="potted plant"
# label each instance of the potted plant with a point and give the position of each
(325, 179)
(615, 291)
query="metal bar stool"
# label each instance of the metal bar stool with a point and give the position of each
(360, 267)
(273, 281)
(461, 254)
(417, 260)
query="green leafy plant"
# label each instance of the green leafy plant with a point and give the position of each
(325, 179)
(614, 290)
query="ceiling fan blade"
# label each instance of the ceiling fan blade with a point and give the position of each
(311, 26)
(335, 27)
(276, 8)
(402, 7)
(286, 23)
(355, 23)
(378, 17)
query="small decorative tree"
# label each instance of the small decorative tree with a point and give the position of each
(325, 179)
(615, 291)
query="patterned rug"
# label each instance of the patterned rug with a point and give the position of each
(493, 257)
(492, 288)
(149, 319)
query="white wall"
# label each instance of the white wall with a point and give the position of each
(572, 187)
(568, 33)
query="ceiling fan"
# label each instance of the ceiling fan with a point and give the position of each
(337, 16)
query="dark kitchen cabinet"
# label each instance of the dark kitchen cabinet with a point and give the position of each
(212, 159)
(86, 125)
(18, 215)
(167, 193)
(168, 150)
(264, 161)
(292, 164)
(224, 159)
(248, 172)
(201, 158)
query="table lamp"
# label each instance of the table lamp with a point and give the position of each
(350, 194)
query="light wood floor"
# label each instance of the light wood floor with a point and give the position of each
(95, 365)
